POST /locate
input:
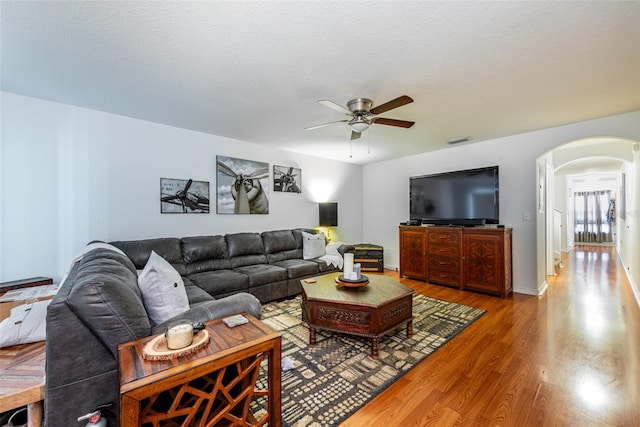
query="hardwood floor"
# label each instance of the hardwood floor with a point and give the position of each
(570, 357)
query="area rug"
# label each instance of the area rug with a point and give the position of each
(330, 381)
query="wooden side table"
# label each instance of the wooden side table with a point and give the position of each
(7, 304)
(215, 385)
(22, 373)
(24, 283)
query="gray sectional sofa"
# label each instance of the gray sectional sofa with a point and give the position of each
(268, 265)
(99, 304)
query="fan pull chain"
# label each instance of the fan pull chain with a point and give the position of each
(350, 149)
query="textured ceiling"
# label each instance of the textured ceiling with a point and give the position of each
(255, 70)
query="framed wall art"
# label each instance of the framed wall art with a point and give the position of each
(287, 179)
(183, 196)
(242, 186)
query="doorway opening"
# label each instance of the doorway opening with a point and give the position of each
(579, 198)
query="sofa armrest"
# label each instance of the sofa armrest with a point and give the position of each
(215, 309)
(343, 249)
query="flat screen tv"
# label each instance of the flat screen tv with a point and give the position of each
(466, 197)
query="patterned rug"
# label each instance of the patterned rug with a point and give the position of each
(335, 378)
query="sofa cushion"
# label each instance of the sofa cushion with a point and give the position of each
(298, 267)
(26, 323)
(107, 298)
(245, 249)
(278, 241)
(195, 293)
(139, 251)
(280, 245)
(322, 265)
(261, 274)
(220, 282)
(313, 245)
(205, 253)
(163, 292)
(297, 233)
(239, 244)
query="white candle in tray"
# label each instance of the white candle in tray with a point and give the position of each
(179, 336)
(348, 265)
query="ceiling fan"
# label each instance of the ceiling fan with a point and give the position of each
(362, 115)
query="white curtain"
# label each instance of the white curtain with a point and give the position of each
(593, 217)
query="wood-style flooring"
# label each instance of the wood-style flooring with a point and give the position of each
(568, 358)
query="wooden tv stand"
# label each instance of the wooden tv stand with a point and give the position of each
(467, 258)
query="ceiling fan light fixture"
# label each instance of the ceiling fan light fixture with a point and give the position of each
(362, 115)
(359, 125)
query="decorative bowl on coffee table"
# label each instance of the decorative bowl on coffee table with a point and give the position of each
(351, 283)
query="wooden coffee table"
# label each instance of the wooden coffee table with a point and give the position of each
(370, 311)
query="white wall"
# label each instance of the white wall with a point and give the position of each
(629, 228)
(386, 186)
(70, 175)
(560, 202)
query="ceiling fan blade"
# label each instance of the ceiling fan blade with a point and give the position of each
(334, 106)
(325, 124)
(394, 103)
(355, 135)
(393, 122)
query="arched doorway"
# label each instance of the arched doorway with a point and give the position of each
(610, 163)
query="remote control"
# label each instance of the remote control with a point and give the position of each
(236, 320)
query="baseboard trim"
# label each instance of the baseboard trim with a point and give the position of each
(529, 291)
(634, 287)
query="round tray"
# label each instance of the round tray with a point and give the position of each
(363, 281)
(157, 349)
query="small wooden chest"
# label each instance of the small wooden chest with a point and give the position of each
(370, 257)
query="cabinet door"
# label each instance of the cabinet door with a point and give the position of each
(483, 262)
(412, 254)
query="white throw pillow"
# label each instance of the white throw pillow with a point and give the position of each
(312, 245)
(26, 323)
(162, 288)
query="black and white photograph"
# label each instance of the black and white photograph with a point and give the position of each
(242, 186)
(183, 196)
(287, 179)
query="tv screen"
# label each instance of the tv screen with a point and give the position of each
(467, 197)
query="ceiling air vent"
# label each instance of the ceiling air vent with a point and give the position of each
(458, 140)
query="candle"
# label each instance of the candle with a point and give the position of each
(179, 336)
(348, 265)
(356, 272)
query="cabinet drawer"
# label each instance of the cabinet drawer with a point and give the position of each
(444, 250)
(444, 264)
(449, 238)
(444, 277)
